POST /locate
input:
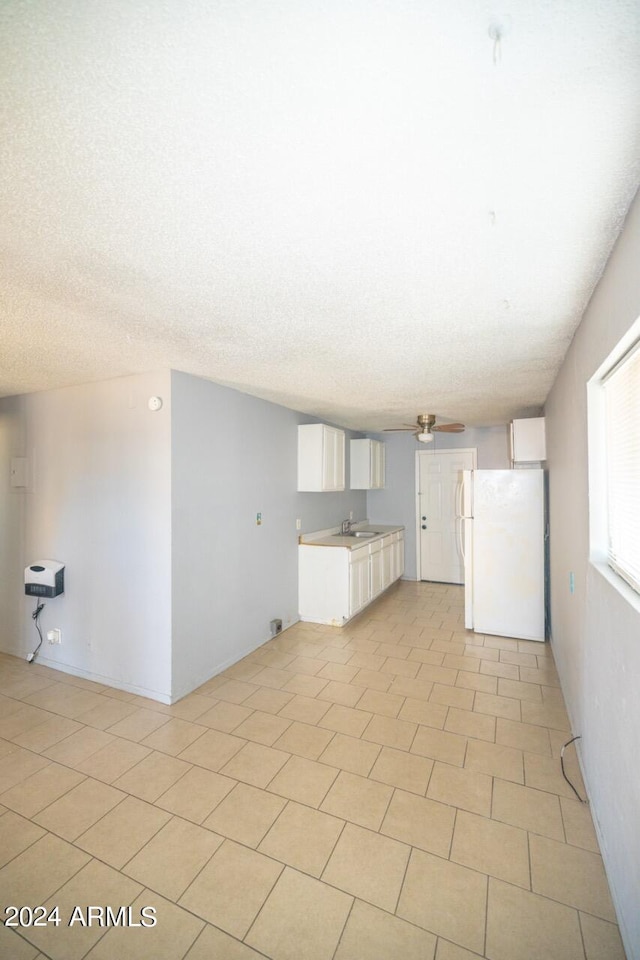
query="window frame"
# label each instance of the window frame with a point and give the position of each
(599, 539)
(624, 563)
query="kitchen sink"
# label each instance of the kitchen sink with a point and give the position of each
(361, 534)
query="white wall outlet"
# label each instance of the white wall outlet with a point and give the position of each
(298, 524)
(55, 635)
(350, 514)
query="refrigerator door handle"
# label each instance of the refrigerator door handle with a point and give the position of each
(460, 517)
(464, 494)
(459, 499)
(460, 520)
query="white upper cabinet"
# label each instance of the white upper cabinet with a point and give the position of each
(528, 440)
(320, 458)
(367, 464)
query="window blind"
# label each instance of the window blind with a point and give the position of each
(622, 401)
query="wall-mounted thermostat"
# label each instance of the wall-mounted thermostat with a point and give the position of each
(44, 578)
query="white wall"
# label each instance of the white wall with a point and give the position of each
(12, 513)
(100, 503)
(234, 456)
(397, 502)
(596, 632)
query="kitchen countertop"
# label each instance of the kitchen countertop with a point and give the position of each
(332, 537)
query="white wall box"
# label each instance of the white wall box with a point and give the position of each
(528, 441)
(336, 583)
(320, 458)
(367, 465)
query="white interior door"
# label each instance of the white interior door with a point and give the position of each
(439, 475)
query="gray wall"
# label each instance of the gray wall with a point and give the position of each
(100, 503)
(168, 576)
(234, 456)
(596, 631)
(397, 502)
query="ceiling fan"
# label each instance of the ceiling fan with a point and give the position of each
(425, 427)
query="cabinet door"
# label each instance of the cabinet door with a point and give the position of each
(367, 464)
(375, 570)
(528, 444)
(398, 558)
(359, 590)
(338, 461)
(333, 459)
(320, 457)
(378, 465)
(387, 562)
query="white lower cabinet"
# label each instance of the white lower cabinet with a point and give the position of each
(336, 583)
(397, 557)
(375, 568)
(359, 580)
(387, 563)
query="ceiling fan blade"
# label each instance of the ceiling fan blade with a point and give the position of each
(398, 429)
(450, 428)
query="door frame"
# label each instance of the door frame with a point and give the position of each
(451, 451)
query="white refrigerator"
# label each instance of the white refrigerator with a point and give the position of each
(502, 530)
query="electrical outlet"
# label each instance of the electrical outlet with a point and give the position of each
(298, 524)
(55, 635)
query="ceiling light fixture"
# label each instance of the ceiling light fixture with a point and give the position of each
(425, 437)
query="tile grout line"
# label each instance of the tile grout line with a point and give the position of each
(342, 932)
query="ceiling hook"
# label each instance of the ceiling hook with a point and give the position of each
(497, 30)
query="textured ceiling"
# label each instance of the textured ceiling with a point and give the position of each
(362, 210)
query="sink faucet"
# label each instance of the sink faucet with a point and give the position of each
(346, 526)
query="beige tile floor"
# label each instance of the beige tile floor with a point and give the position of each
(387, 790)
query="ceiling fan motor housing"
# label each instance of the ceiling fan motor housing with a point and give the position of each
(426, 420)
